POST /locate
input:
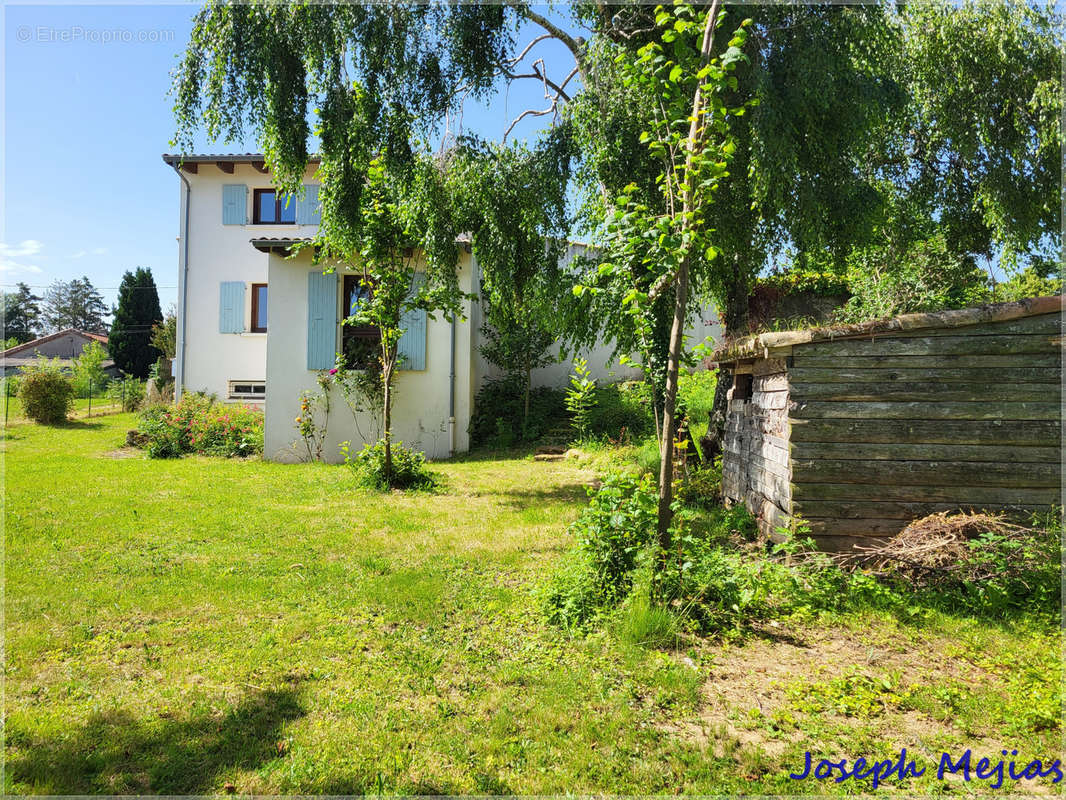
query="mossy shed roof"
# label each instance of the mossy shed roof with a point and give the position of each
(764, 345)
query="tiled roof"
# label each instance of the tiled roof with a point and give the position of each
(33, 345)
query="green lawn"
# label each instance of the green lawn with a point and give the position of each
(201, 625)
(100, 406)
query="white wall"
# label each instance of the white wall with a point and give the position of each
(220, 253)
(420, 408)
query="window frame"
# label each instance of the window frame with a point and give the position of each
(278, 206)
(252, 327)
(370, 332)
(233, 394)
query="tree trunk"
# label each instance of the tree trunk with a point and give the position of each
(387, 367)
(525, 415)
(677, 328)
(735, 320)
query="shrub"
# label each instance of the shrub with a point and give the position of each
(408, 467)
(11, 385)
(227, 430)
(47, 395)
(701, 485)
(621, 411)
(499, 409)
(160, 436)
(612, 532)
(199, 425)
(127, 392)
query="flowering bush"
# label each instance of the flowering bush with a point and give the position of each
(198, 424)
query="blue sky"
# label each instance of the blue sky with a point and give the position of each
(86, 117)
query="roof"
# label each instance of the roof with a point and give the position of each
(190, 162)
(278, 244)
(34, 344)
(759, 345)
(67, 363)
(282, 244)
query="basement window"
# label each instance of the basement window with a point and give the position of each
(247, 390)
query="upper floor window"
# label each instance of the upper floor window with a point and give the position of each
(271, 207)
(259, 308)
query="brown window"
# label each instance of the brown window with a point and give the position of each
(271, 207)
(259, 308)
(361, 343)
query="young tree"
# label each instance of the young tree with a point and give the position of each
(405, 253)
(137, 313)
(513, 203)
(89, 375)
(74, 304)
(21, 314)
(690, 135)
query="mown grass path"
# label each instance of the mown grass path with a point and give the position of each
(177, 626)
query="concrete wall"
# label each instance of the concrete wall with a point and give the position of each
(420, 409)
(220, 253)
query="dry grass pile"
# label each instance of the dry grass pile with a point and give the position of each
(940, 551)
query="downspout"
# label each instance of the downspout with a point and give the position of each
(183, 280)
(451, 396)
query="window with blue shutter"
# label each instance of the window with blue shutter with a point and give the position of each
(321, 320)
(308, 211)
(234, 204)
(231, 307)
(412, 345)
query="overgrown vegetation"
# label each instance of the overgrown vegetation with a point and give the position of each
(46, 393)
(408, 469)
(128, 392)
(719, 579)
(499, 417)
(198, 424)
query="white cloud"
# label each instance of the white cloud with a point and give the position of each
(27, 247)
(7, 265)
(96, 251)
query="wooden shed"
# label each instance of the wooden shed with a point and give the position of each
(859, 429)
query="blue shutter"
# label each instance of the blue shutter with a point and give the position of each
(308, 212)
(234, 204)
(321, 320)
(412, 345)
(231, 307)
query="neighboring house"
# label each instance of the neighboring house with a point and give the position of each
(859, 429)
(65, 345)
(255, 325)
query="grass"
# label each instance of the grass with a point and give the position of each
(184, 626)
(100, 406)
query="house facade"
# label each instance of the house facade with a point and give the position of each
(259, 323)
(65, 345)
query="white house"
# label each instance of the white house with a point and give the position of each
(258, 326)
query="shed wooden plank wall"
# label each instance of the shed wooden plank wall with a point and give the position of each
(755, 463)
(890, 428)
